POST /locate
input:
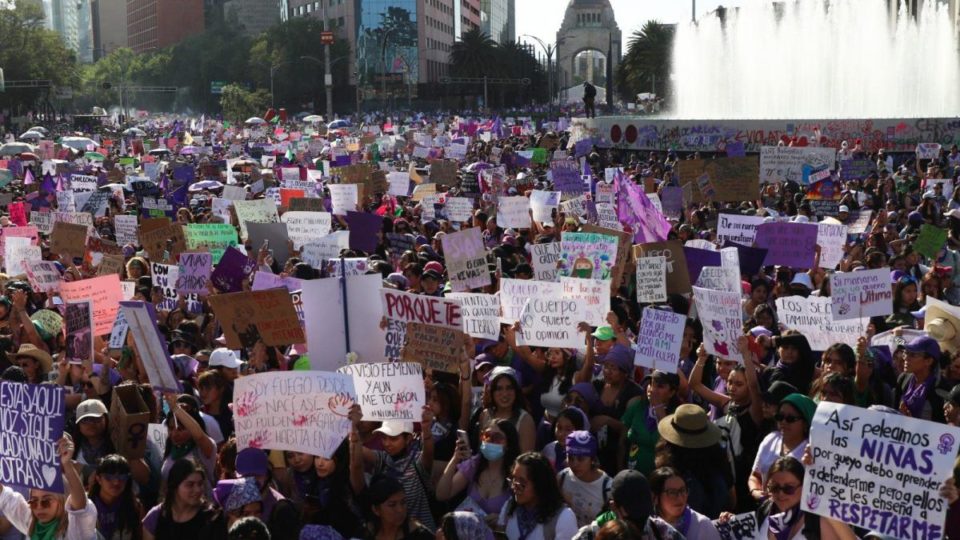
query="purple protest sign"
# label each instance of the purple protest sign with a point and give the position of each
(582, 147)
(229, 273)
(183, 174)
(363, 230)
(697, 259)
(751, 258)
(788, 244)
(736, 149)
(566, 176)
(32, 422)
(151, 345)
(671, 199)
(194, 273)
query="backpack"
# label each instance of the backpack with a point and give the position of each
(607, 485)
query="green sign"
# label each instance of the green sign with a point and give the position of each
(216, 87)
(215, 237)
(930, 240)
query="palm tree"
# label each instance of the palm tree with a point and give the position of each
(475, 55)
(646, 66)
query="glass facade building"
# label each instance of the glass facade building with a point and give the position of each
(387, 37)
(497, 19)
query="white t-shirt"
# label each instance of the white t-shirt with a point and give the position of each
(566, 526)
(586, 499)
(769, 452)
(213, 427)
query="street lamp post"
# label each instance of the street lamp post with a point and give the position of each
(548, 52)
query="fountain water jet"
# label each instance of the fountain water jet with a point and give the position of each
(817, 59)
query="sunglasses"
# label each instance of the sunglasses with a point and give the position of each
(496, 438)
(786, 490)
(44, 503)
(116, 477)
(680, 492)
(787, 418)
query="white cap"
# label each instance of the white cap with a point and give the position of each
(800, 218)
(91, 408)
(224, 357)
(843, 208)
(803, 280)
(392, 428)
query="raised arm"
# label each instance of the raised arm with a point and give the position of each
(716, 399)
(586, 372)
(204, 443)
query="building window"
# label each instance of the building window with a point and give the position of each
(340, 22)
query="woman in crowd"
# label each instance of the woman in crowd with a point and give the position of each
(793, 418)
(670, 501)
(119, 510)
(387, 517)
(185, 511)
(503, 400)
(536, 510)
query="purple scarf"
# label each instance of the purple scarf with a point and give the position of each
(781, 524)
(685, 520)
(526, 521)
(915, 397)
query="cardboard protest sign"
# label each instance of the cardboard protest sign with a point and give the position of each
(129, 417)
(103, 291)
(169, 240)
(594, 293)
(788, 163)
(678, 277)
(256, 211)
(480, 314)
(307, 204)
(466, 259)
(434, 347)
(443, 172)
(739, 229)
(788, 244)
(865, 293)
(300, 411)
(43, 275)
(659, 341)
(544, 258)
(813, 317)
(194, 274)
(587, 255)
(304, 227)
(151, 345)
(401, 308)
(552, 322)
(212, 237)
(652, 279)
(879, 471)
(732, 179)
(68, 239)
(513, 212)
(930, 240)
(722, 318)
(249, 316)
(78, 327)
(31, 424)
(388, 390)
(323, 311)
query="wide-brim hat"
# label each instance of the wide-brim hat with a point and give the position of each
(32, 351)
(689, 427)
(942, 322)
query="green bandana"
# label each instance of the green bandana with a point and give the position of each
(45, 531)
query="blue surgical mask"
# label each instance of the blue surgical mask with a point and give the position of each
(491, 451)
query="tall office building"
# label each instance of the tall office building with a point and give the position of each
(72, 20)
(498, 19)
(253, 16)
(109, 26)
(155, 24)
(466, 16)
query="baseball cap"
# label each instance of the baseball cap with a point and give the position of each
(224, 357)
(924, 344)
(393, 428)
(90, 408)
(581, 443)
(604, 333)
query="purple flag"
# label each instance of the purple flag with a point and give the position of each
(27, 177)
(48, 184)
(635, 210)
(363, 230)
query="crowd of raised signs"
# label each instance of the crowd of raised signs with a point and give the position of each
(468, 328)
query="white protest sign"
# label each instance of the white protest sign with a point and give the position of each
(865, 293)
(513, 212)
(787, 162)
(860, 223)
(300, 411)
(306, 227)
(319, 250)
(17, 252)
(235, 193)
(831, 238)
(466, 259)
(719, 278)
(151, 345)
(652, 279)
(343, 198)
(118, 334)
(813, 318)
(661, 334)
(879, 471)
(607, 216)
(552, 322)
(43, 276)
(595, 294)
(388, 390)
(480, 314)
(399, 183)
(256, 211)
(737, 229)
(544, 258)
(515, 292)
(126, 229)
(739, 527)
(721, 315)
(459, 208)
(323, 313)
(928, 150)
(542, 203)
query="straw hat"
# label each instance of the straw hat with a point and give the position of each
(689, 427)
(31, 351)
(942, 322)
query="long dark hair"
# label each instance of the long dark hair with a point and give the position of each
(381, 488)
(566, 372)
(543, 479)
(700, 463)
(180, 471)
(193, 409)
(129, 508)
(518, 402)
(510, 450)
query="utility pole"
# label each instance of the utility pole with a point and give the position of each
(693, 15)
(326, 38)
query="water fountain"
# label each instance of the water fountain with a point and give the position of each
(820, 71)
(818, 59)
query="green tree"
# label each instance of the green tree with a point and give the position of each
(646, 66)
(28, 51)
(515, 61)
(292, 50)
(238, 103)
(475, 55)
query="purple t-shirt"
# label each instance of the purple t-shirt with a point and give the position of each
(493, 505)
